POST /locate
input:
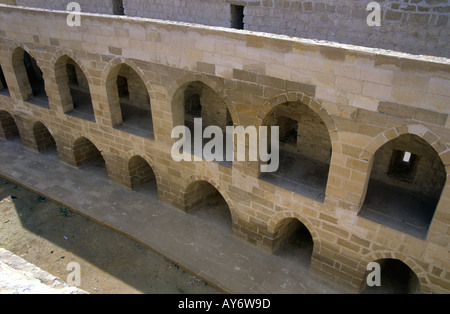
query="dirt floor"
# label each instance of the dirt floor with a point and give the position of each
(50, 236)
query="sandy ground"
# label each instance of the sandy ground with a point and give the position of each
(52, 237)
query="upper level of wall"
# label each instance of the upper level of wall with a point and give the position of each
(97, 6)
(417, 27)
(342, 77)
(364, 97)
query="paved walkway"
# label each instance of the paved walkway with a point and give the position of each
(197, 245)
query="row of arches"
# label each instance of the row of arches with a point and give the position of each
(407, 175)
(204, 199)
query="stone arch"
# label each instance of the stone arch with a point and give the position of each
(438, 151)
(111, 67)
(85, 150)
(28, 90)
(309, 140)
(215, 84)
(423, 132)
(8, 126)
(144, 175)
(198, 178)
(425, 285)
(70, 54)
(277, 219)
(58, 64)
(43, 137)
(314, 105)
(109, 81)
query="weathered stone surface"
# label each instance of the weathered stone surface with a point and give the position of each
(17, 276)
(342, 112)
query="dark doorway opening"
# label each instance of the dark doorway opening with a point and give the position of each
(8, 127)
(44, 139)
(237, 16)
(118, 8)
(295, 242)
(205, 202)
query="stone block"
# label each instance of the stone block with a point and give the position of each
(348, 85)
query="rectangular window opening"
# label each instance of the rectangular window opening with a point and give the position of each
(237, 16)
(402, 165)
(407, 157)
(118, 8)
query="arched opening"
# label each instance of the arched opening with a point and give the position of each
(294, 242)
(30, 78)
(201, 101)
(130, 101)
(87, 155)
(8, 127)
(196, 100)
(141, 174)
(305, 150)
(44, 140)
(395, 278)
(73, 88)
(3, 85)
(405, 185)
(204, 201)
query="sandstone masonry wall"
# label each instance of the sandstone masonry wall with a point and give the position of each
(97, 6)
(417, 26)
(364, 97)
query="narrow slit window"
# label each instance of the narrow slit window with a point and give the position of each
(402, 165)
(407, 157)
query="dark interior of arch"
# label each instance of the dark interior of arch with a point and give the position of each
(79, 91)
(36, 79)
(396, 278)
(141, 174)
(405, 185)
(202, 102)
(44, 140)
(294, 242)
(134, 102)
(8, 127)
(305, 150)
(3, 84)
(204, 201)
(87, 154)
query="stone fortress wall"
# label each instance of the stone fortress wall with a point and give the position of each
(366, 107)
(413, 26)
